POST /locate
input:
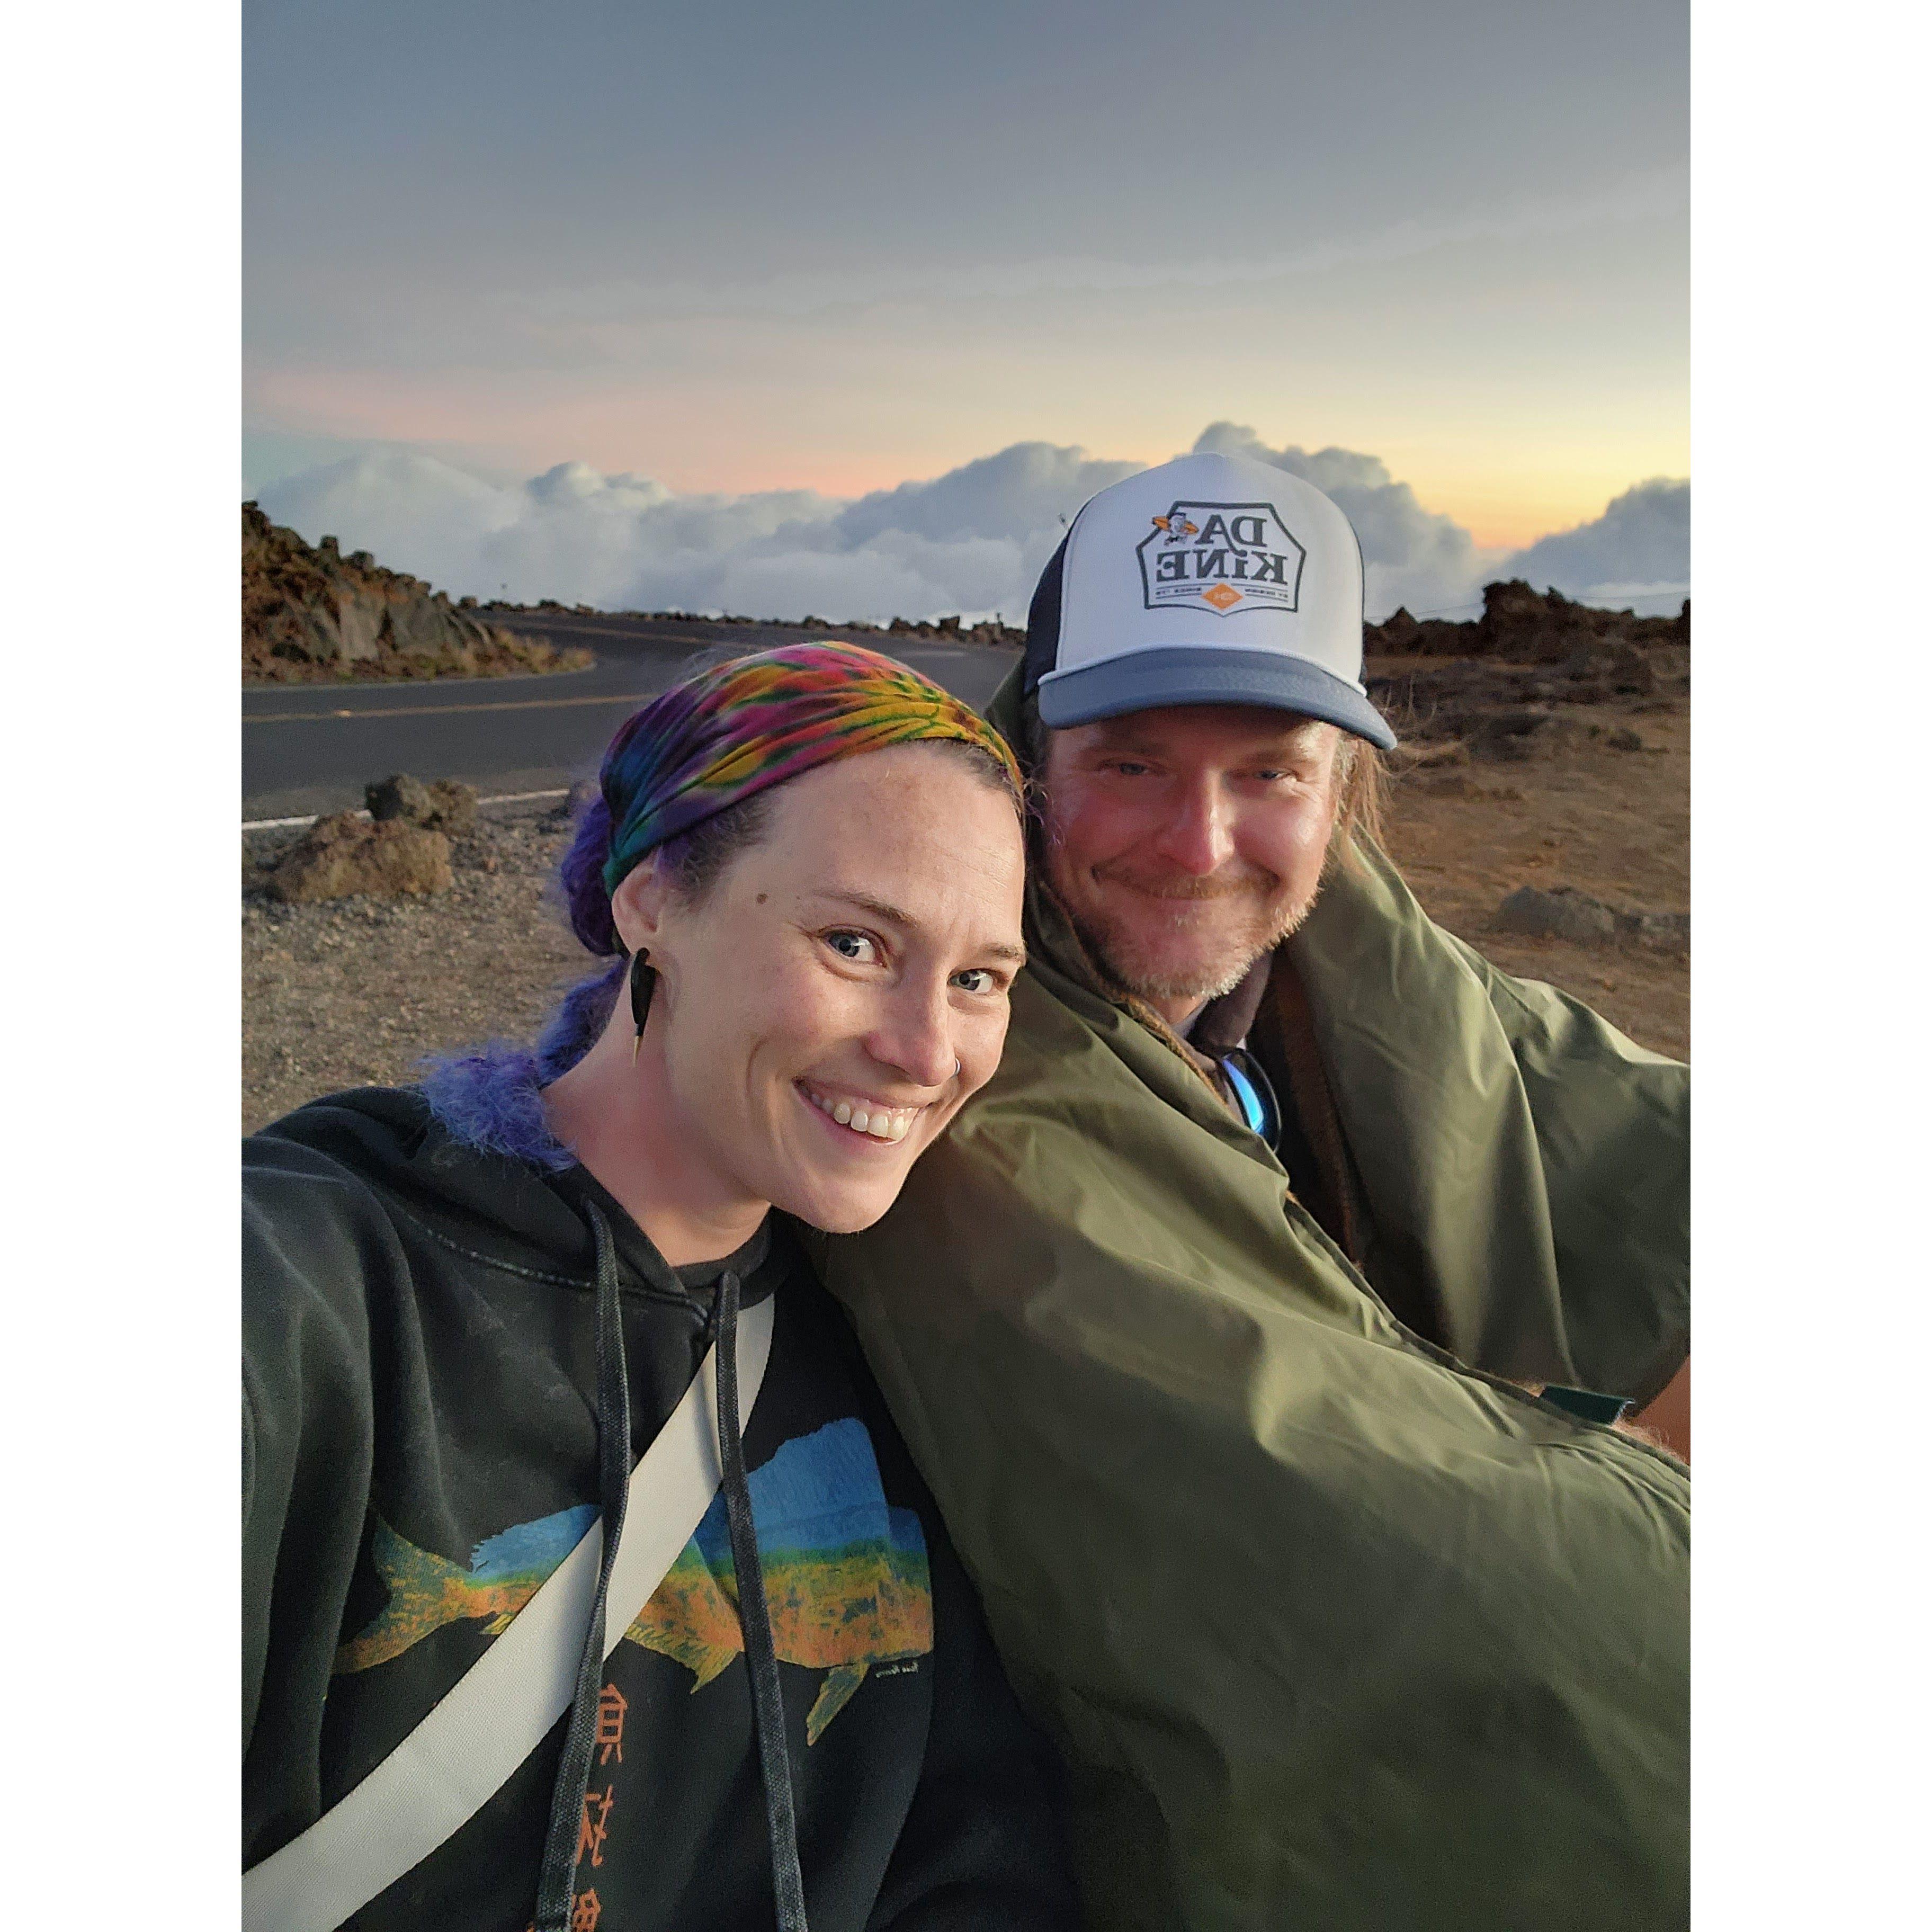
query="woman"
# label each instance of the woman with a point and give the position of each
(470, 1309)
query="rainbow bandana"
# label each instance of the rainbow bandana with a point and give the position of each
(729, 732)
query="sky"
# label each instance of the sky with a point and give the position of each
(640, 303)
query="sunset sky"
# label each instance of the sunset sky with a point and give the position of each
(747, 247)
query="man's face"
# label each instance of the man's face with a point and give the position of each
(1186, 842)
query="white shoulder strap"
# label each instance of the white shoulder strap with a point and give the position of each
(462, 1753)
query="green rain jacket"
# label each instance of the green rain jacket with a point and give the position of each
(1336, 1628)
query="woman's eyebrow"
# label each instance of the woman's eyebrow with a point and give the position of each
(879, 908)
(897, 916)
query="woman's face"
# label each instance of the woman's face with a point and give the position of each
(842, 988)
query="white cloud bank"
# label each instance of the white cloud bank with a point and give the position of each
(1410, 556)
(972, 540)
(1639, 548)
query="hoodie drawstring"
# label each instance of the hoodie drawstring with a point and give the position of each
(558, 1873)
(755, 1620)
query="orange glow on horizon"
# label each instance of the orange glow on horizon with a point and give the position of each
(1506, 496)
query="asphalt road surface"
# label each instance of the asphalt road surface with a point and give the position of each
(310, 748)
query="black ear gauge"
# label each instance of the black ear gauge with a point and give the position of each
(644, 983)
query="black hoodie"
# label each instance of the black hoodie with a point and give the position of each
(420, 1450)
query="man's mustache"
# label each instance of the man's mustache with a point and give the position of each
(1244, 883)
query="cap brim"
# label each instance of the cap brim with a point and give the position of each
(1145, 680)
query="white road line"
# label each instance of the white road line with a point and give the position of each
(632, 698)
(309, 818)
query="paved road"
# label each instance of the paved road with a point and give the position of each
(312, 748)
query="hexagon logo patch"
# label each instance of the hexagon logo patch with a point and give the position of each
(1222, 557)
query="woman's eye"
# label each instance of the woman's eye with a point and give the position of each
(858, 947)
(976, 979)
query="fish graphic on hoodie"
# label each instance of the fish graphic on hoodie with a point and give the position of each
(846, 1577)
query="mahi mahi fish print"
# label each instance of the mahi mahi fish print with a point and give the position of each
(845, 1574)
(846, 1577)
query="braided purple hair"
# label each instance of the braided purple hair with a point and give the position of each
(489, 1098)
(580, 880)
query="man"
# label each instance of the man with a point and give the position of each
(1215, 1323)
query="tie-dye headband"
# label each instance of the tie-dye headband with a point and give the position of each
(729, 732)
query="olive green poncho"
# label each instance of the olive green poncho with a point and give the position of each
(1334, 1631)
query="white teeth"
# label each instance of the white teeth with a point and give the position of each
(877, 1122)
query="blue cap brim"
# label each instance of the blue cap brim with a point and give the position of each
(1184, 674)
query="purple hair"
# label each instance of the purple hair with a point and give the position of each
(490, 1098)
(572, 1031)
(579, 879)
(694, 856)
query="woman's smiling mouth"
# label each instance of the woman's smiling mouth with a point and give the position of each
(874, 1119)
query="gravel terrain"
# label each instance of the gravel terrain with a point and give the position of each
(1609, 820)
(352, 992)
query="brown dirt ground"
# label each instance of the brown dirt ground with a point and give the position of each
(354, 992)
(1613, 823)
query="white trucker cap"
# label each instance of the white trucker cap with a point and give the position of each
(1211, 579)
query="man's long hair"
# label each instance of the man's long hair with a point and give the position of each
(1361, 790)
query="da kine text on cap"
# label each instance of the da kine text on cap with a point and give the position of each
(1210, 579)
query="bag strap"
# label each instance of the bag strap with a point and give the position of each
(464, 1751)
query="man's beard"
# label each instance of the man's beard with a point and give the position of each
(1115, 940)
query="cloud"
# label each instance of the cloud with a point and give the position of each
(1410, 556)
(971, 540)
(1014, 497)
(1640, 547)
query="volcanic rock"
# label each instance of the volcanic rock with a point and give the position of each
(1561, 913)
(447, 805)
(1564, 913)
(346, 855)
(1522, 624)
(1398, 628)
(1513, 734)
(309, 612)
(452, 808)
(1665, 931)
(400, 797)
